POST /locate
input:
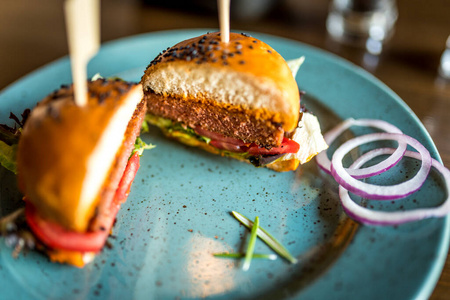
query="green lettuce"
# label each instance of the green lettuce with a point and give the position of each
(140, 146)
(9, 138)
(170, 127)
(294, 64)
(8, 156)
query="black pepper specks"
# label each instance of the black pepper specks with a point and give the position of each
(102, 98)
(208, 49)
(52, 112)
(54, 95)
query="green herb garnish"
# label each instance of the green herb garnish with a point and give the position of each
(241, 255)
(251, 245)
(266, 238)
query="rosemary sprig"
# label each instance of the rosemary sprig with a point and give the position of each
(266, 238)
(251, 245)
(241, 255)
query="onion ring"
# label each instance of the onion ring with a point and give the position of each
(369, 217)
(325, 164)
(377, 192)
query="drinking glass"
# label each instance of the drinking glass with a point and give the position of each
(366, 23)
(444, 67)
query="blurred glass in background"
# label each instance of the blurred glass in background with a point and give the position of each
(365, 23)
(444, 67)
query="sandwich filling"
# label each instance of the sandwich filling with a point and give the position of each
(302, 144)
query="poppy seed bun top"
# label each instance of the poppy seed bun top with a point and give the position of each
(66, 151)
(244, 72)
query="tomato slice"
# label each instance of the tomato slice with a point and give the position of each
(127, 179)
(287, 146)
(235, 145)
(228, 146)
(55, 236)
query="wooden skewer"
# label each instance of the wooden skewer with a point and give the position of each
(224, 19)
(83, 34)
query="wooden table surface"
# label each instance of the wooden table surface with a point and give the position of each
(32, 33)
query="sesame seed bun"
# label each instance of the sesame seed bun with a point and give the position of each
(244, 76)
(66, 153)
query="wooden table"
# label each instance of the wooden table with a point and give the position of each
(32, 33)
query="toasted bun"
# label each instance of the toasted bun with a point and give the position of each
(66, 151)
(244, 74)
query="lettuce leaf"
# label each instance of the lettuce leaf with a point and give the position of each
(9, 138)
(294, 64)
(309, 136)
(140, 146)
(8, 156)
(172, 128)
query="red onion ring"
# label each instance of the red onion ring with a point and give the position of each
(369, 217)
(325, 164)
(377, 192)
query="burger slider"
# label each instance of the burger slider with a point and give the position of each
(76, 164)
(236, 99)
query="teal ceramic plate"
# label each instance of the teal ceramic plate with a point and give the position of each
(178, 213)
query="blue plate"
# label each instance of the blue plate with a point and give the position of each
(178, 213)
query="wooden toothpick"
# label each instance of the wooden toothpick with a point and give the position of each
(224, 20)
(83, 34)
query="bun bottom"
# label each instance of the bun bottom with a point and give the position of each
(284, 166)
(74, 258)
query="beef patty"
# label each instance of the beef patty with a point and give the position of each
(231, 121)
